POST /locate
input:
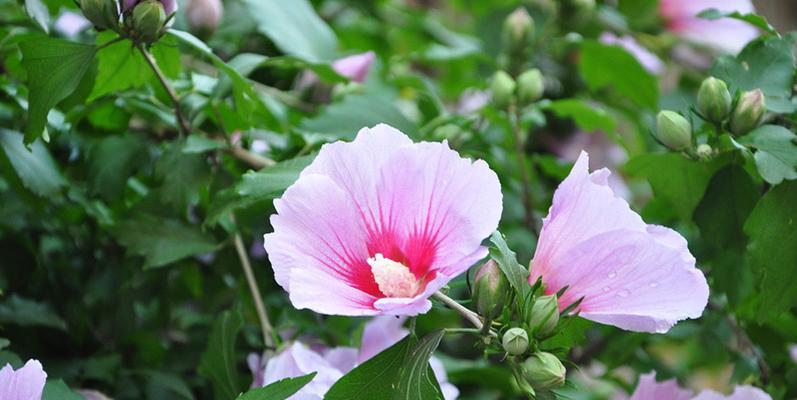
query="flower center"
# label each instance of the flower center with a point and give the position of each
(394, 278)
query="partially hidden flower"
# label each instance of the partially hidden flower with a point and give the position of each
(355, 67)
(623, 271)
(71, 24)
(649, 389)
(169, 6)
(739, 393)
(331, 364)
(646, 58)
(377, 225)
(724, 34)
(26, 383)
(204, 14)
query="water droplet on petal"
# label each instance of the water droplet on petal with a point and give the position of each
(612, 275)
(653, 284)
(623, 293)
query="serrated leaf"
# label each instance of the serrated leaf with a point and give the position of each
(343, 119)
(613, 68)
(400, 372)
(776, 152)
(772, 250)
(55, 68)
(112, 160)
(120, 67)
(729, 199)
(23, 312)
(218, 360)
(279, 390)
(183, 175)
(162, 241)
(507, 261)
(35, 168)
(751, 18)
(588, 117)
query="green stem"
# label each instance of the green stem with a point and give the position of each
(520, 154)
(182, 124)
(269, 336)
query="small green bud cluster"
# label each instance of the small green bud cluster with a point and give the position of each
(517, 33)
(673, 130)
(104, 14)
(528, 88)
(749, 112)
(143, 21)
(544, 371)
(490, 290)
(715, 105)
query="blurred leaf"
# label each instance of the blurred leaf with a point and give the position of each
(640, 13)
(183, 175)
(55, 68)
(507, 261)
(218, 362)
(613, 68)
(766, 64)
(402, 371)
(729, 199)
(38, 11)
(751, 18)
(776, 152)
(246, 63)
(121, 67)
(279, 390)
(570, 332)
(588, 117)
(342, 120)
(170, 382)
(35, 167)
(23, 312)
(58, 390)
(295, 28)
(112, 160)
(162, 241)
(772, 250)
(200, 144)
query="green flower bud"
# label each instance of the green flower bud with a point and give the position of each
(530, 86)
(544, 315)
(583, 6)
(104, 14)
(673, 130)
(704, 151)
(515, 341)
(544, 371)
(748, 112)
(714, 99)
(148, 19)
(490, 289)
(518, 31)
(503, 89)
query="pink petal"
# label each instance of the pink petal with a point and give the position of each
(26, 383)
(724, 34)
(739, 393)
(344, 359)
(646, 58)
(450, 392)
(355, 67)
(379, 334)
(71, 23)
(298, 360)
(631, 275)
(649, 389)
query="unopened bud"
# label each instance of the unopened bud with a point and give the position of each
(673, 130)
(518, 31)
(544, 371)
(503, 89)
(704, 151)
(104, 14)
(490, 289)
(148, 19)
(714, 99)
(515, 341)
(204, 14)
(530, 86)
(544, 315)
(748, 112)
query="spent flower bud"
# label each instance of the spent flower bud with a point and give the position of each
(544, 371)
(530, 86)
(544, 315)
(490, 289)
(518, 31)
(748, 112)
(673, 130)
(104, 14)
(503, 89)
(148, 20)
(515, 341)
(714, 99)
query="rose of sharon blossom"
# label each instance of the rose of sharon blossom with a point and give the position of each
(724, 34)
(649, 389)
(631, 275)
(169, 6)
(648, 60)
(378, 225)
(739, 393)
(26, 383)
(204, 14)
(355, 67)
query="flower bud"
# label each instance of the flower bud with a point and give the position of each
(503, 89)
(515, 341)
(714, 99)
(518, 31)
(148, 19)
(204, 14)
(490, 289)
(104, 14)
(544, 371)
(748, 112)
(544, 315)
(530, 86)
(704, 151)
(673, 130)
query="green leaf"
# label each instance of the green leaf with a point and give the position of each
(766, 64)
(58, 390)
(112, 160)
(23, 312)
(279, 390)
(400, 372)
(776, 152)
(168, 381)
(218, 361)
(342, 120)
(729, 199)
(588, 117)
(195, 144)
(38, 11)
(295, 28)
(162, 241)
(183, 175)
(121, 67)
(246, 63)
(612, 68)
(772, 250)
(751, 18)
(55, 68)
(507, 261)
(35, 168)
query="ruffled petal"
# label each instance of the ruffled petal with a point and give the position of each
(649, 389)
(26, 383)
(739, 393)
(344, 359)
(298, 360)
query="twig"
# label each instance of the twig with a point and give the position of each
(468, 314)
(182, 124)
(265, 325)
(520, 154)
(254, 160)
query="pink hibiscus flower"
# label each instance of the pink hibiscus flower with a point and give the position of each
(378, 225)
(628, 274)
(26, 383)
(649, 389)
(725, 34)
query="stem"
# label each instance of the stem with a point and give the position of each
(471, 316)
(265, 325)
(110, 42)
(182, 124)
(255, 160)
(520, 154)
